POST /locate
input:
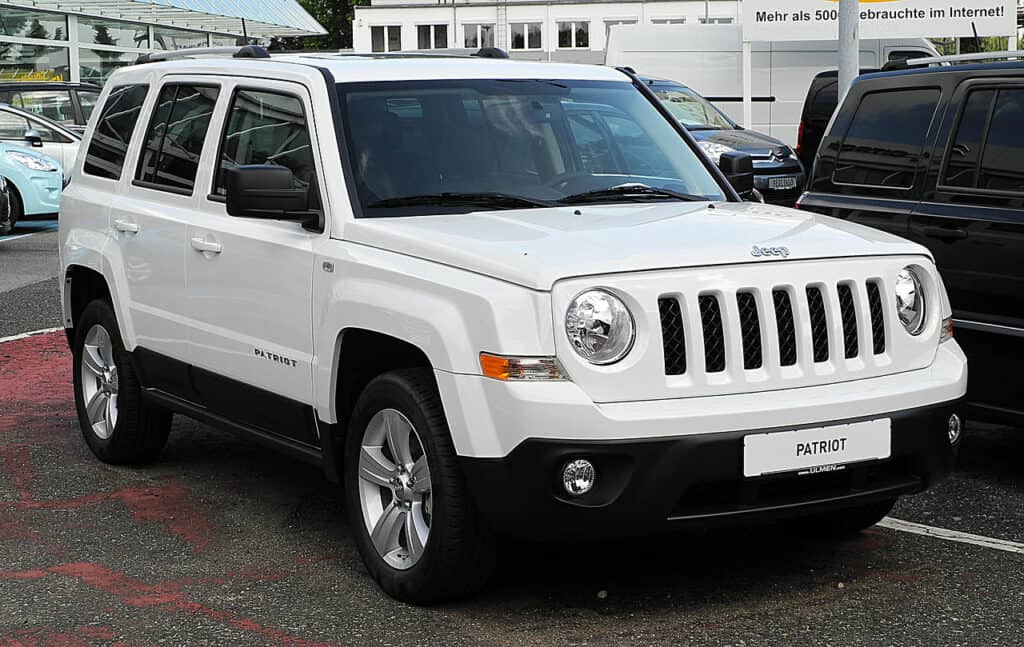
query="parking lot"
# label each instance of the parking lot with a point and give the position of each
(225, 542)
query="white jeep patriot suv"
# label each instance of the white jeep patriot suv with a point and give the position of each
(490, 298)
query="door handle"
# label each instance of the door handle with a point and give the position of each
(945, 233)
(203, 245)
(126, 226)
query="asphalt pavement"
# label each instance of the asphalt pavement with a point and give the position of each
(222, 542)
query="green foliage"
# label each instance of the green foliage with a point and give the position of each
(335, 16)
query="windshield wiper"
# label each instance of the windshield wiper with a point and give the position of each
(492, 200)
(630, 190)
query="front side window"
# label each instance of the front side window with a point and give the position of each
(692, 110)
(113, 132)
(267, 128)
(174, 141)
(12, 126)
(886, 137)
(478, 36)
(526, 35)
(429, 147)
(386, 38)
(573, 35)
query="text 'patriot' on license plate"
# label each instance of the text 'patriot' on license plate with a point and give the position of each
(782, 183)
(811, 449)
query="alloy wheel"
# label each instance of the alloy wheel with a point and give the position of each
(99, 381)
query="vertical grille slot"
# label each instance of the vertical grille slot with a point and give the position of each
(672, 336)
(787, 331)
(851, 344)
(714, 338)
(877, 321)
(750, 328)
(819, 324)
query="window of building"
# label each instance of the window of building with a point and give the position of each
(716, 21)
(386, 38)
(170, 39)
(573, 35)
(101, 31)
(431, 36)
(96, 65)
(965, 153)
(668, 21)
(267, 128)
(1002, 164)
(174, 140)
(114, 128)
(33, 62)
(608, 24)
(223, 41)
(30, 23)
(526, 35)
(886, 137)
(478, 36)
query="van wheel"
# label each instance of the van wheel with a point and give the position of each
(418, 532)
(117, 425)
(848, 521)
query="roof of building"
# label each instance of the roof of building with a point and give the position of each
(263, 18)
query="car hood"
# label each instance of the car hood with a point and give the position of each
(756, 144)
(537, 247)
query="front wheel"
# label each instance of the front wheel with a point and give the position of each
(418, 532)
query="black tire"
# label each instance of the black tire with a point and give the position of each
(845, 522)
(141, 430)
(458, 557)
(17, 207)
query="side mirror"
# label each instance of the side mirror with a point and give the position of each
(34, 138)
(739, 170)
(265, 191)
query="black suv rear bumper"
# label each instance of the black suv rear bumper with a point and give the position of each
(644, 487)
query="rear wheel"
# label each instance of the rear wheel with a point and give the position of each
(117, 425)
(848, 521)
(418, 532)
(17, 208)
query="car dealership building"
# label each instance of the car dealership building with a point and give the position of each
(86, 40)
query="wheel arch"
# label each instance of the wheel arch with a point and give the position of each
(81, 286)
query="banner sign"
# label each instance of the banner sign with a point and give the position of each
(770, 20)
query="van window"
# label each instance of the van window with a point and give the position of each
(1002, 166)
(113, 132)
(174, 141)
(267, 128)
(886, 137)
(965, 153)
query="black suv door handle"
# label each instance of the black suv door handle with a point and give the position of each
(945, 233)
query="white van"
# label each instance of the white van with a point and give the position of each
(708, 58)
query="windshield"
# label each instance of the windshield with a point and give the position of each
(429, 147)
(692, 110)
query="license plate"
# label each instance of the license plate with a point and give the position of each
(809, 450)
(781, 183)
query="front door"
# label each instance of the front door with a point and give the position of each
(249, 280)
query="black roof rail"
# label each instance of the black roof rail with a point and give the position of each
(245, 51)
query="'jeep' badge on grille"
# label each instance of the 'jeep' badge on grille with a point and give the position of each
(761, 252)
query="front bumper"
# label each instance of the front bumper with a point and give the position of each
(646, 486)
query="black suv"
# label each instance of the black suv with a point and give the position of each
(937, 155)
(69, 104)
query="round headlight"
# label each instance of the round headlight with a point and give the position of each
(600, 327)
(910, 301)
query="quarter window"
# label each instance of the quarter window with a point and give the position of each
(267, 128)
(114, 128)
(174, 141)
(886, 138)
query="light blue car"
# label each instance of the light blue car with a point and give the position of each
(34, 183)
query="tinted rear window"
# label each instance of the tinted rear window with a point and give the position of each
(962, 168)
(886, 137)
(1002, 167)
(114, 128)
(174, 141)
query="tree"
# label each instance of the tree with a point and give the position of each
(335, 16)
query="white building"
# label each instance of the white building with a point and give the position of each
(560, 30)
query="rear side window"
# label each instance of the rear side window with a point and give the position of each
(174, 140)
(965, 154)
(886, 138)
(113, 132)
(52, 104)
(1002, 166)
(267, 128)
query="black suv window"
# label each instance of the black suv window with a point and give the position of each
(1002, 166)
(965, 154)
(885, 139)
(174, 141)
(114, 128)
(267, 128)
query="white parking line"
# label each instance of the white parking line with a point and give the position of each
(29, 334)
(10, 238)
(952, 535)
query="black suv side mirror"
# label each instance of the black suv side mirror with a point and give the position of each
(739, 170)
(34, 138)
(265, 191)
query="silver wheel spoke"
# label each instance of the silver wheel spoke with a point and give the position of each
(93, 360)
(105, 347)
(388, 529)
(416, 531)
(96, 408)
(420, 472)
(398, 439)
(108, 415)
(375, 467)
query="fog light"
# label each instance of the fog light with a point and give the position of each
(578, 477)
(954, 429)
